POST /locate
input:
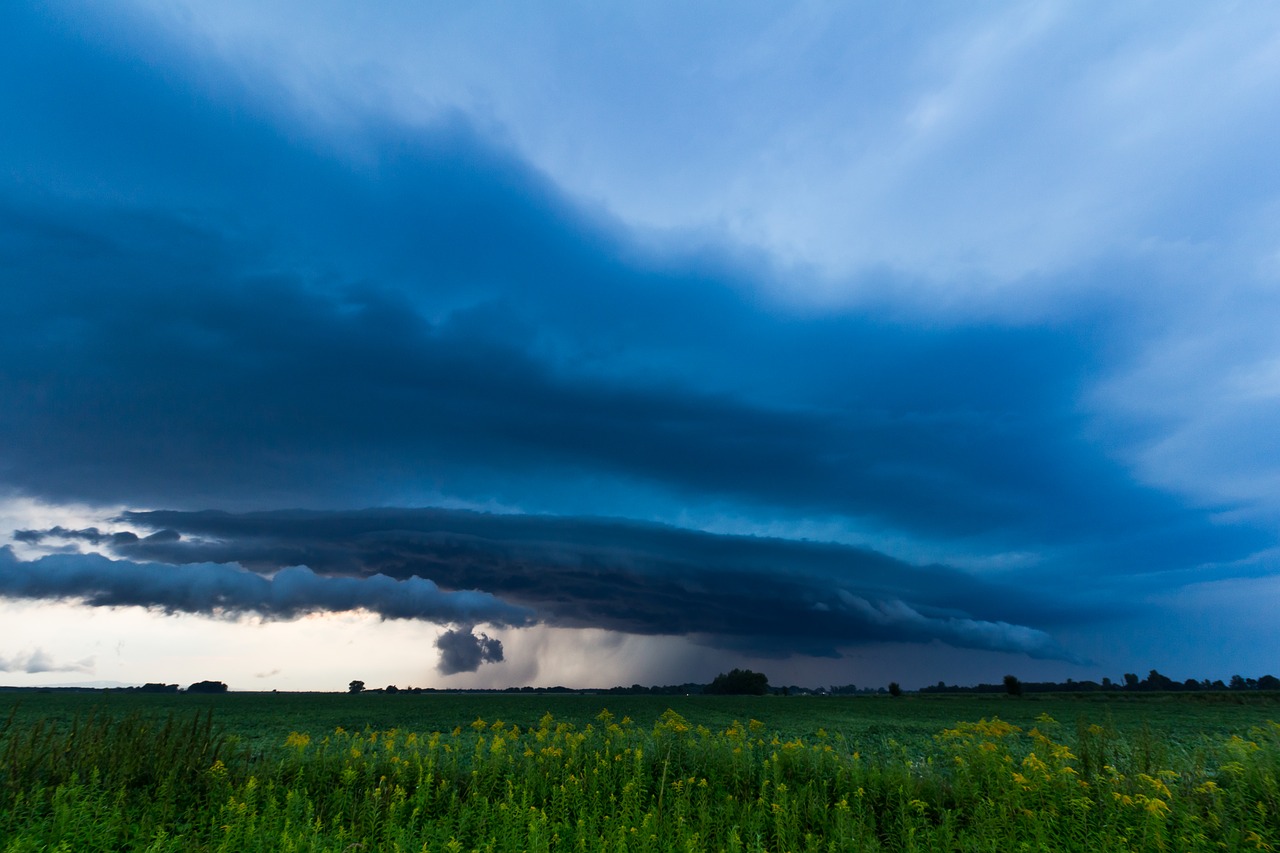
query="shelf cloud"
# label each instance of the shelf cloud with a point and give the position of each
(771, 596)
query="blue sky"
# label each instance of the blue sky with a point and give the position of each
(570, 345)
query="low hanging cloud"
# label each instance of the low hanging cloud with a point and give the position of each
(38, 660)
(771, 597)
(463, 650)
(229, 590)
(90, 535)
(957, 630)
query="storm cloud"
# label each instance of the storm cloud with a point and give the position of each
(212, 589)
(463, 650)
(380, 350)
(769, 596)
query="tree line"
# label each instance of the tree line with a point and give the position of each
(1155, 681)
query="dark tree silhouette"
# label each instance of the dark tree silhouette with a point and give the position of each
(156, 687)
(1012, 685)
(207, 687)
(895, 689)
(355, 687)
(739, 682)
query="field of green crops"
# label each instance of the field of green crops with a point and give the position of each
(436, 772)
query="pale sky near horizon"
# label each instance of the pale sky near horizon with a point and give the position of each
(567, 344)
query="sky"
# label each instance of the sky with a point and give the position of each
(484, 345)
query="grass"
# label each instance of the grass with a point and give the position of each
(496, 773)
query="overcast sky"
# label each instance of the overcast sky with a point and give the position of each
(458, 345)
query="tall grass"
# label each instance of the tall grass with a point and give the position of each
(613, 784)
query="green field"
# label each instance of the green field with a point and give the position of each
(131, 771)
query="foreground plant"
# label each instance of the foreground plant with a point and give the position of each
(616, 785)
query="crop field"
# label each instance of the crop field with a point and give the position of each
(447, 772)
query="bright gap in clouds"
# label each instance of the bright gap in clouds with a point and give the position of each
(323, 652)
(131, 645)
(19, 512)
(320, 652)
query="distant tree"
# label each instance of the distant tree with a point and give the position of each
(1130, 681)
(1106, 683)
(1269, 682)
(391, 688)
(1012, 685)
(355, 687)
(895, 689)
(1237, 683)
(207, 687)
(739, 682)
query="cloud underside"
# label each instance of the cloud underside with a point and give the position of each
(231, 591)
(769, 596)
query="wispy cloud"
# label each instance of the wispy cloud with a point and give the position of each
(38, 660)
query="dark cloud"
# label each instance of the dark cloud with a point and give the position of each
(463, 650)
(229, 590)
(90, 535)
(771, 596)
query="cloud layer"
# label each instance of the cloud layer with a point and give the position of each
(228, 590)
(768, 596)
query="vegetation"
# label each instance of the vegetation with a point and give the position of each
(738, 682)
(1139, 774)
(207, 687)
(1155, 682)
